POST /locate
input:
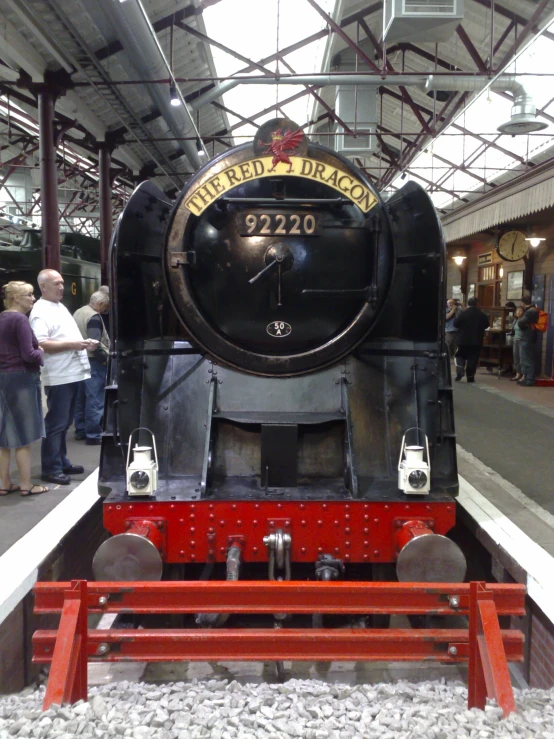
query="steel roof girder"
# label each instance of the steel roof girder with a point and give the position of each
(529, 26)
(512, 16)
(470, 48)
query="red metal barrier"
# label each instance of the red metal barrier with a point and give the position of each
(68, 673)
(484, 645)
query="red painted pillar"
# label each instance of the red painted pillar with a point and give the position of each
(49, 180)
(105, 187)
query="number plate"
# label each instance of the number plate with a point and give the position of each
(277, 224)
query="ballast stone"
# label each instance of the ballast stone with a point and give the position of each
(307, 709)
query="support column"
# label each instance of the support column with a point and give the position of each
(49, 180)
(105, 187)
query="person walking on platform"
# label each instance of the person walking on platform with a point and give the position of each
(21, 358)
(527, 342)
(90, 398)
(65, 366)
(471, 325)
(450, 331)
(516, 333)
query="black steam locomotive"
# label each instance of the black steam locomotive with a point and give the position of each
(278, 333)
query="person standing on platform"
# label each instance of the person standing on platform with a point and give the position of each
(527, 342)
(90, 398)
(471, 325)
(105, 316)
(21, 358)
(65, 366)
(450, 331)
(516, 333)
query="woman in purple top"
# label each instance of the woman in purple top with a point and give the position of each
(21, 420)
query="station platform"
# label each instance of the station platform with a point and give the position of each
(505, 436)
(18, 515)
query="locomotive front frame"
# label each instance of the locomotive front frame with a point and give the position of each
(221, 410)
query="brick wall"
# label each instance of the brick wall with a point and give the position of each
(541, 664)
(72, 559)
(12, 670)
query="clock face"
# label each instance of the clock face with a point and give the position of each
(512, 246)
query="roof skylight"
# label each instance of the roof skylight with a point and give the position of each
(282, 23)
(482, 164)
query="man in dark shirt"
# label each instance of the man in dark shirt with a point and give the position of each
(90, 401)
(527, 342)
(471, 325)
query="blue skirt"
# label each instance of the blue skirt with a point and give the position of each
(21, 420)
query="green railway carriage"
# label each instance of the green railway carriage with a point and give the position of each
(80, 257)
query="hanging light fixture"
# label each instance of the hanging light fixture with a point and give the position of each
(459, 259)
(199, 149)
(535, 241)
(175, 99)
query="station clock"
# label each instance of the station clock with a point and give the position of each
(512, 246)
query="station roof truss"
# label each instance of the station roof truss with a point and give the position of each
(446, 142)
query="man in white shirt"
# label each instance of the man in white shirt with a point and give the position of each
(65, 366)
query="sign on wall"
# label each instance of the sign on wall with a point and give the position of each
(515, 285)
(457, 292)
(537, 294)
(484, 259)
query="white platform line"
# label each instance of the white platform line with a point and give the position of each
(537, 563)
(20, 564)
(507, 486)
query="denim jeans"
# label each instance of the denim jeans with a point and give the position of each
(527, 359)
(517, 356)
(90, 402)
(61, 409)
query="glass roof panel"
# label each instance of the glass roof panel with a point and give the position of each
(284, 23)
(483, 116)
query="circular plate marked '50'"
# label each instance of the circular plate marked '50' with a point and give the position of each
(278, 329)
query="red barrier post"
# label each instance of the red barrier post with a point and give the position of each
(476, 688)
(67, 682)
(488, 666)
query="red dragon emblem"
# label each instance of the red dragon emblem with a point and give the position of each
(282, 145)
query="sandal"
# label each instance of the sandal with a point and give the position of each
(13, 489)
(40, 489)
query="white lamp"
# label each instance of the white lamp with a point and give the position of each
(535, 240)
(174, 97)
(459, 260)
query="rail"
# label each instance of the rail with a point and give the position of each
(483, 645)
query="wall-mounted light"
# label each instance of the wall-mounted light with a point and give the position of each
(459, 260)
(175, 99)
(535, 240)
(501, 271)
